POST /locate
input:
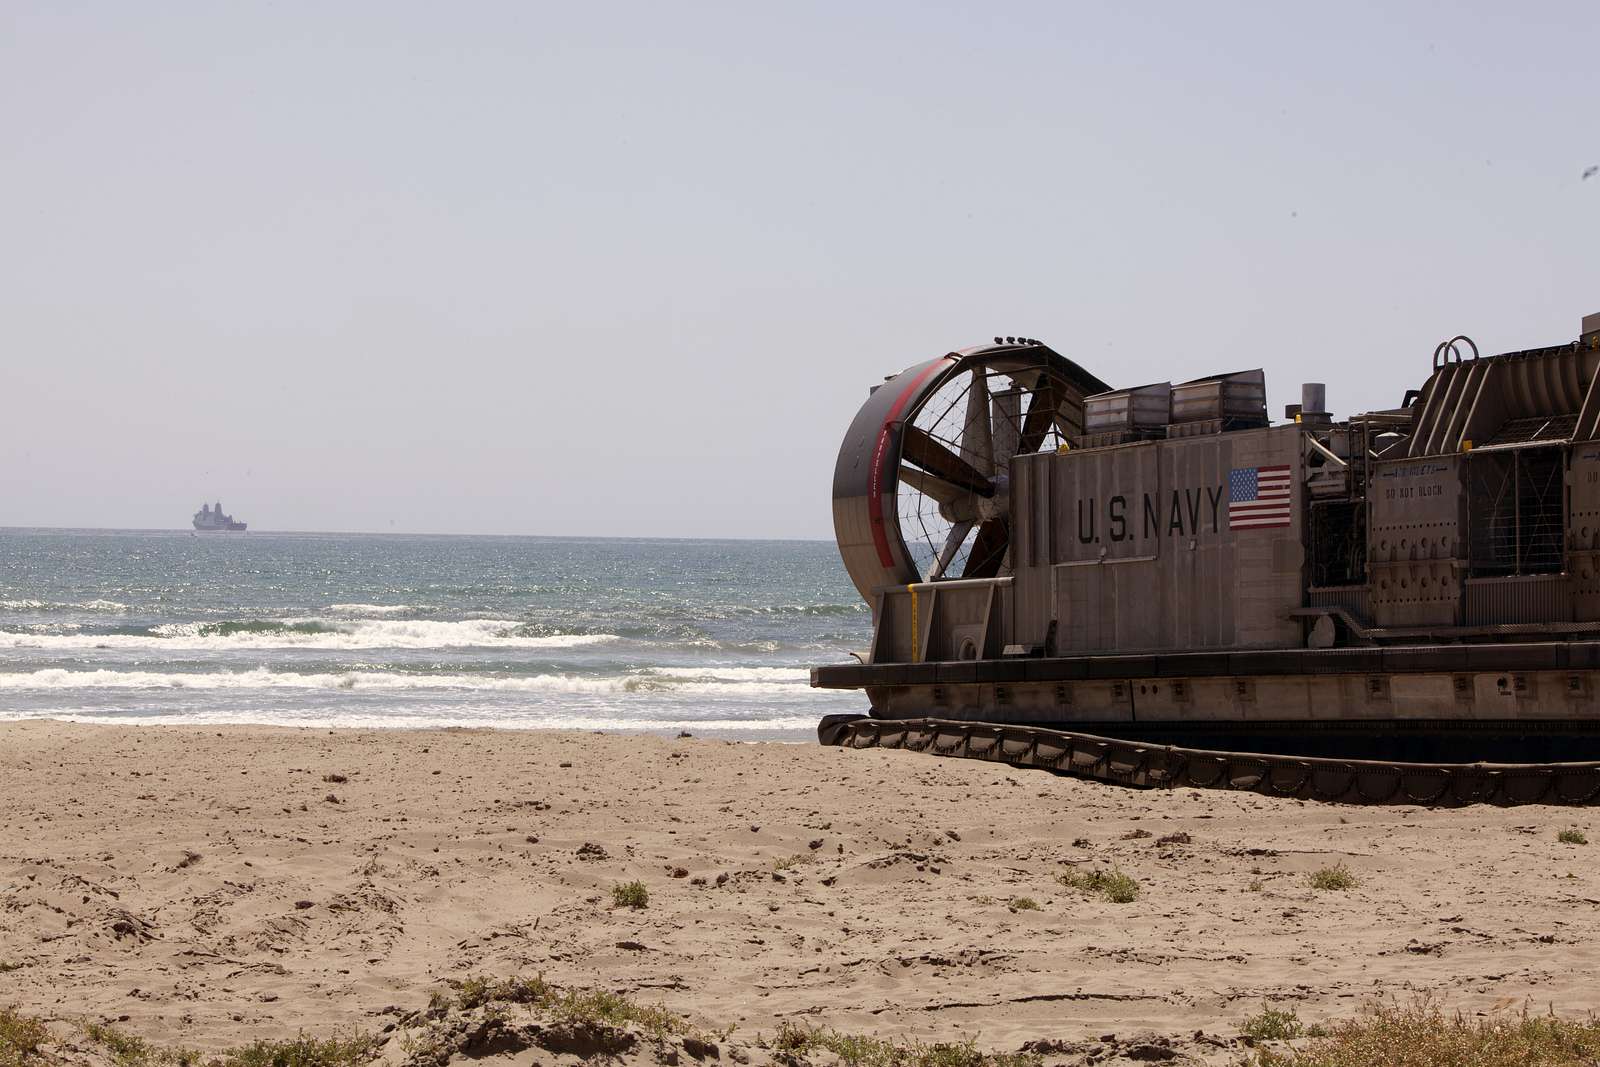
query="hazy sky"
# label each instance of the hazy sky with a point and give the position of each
(630, 269)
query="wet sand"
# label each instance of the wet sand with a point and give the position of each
(208, 886)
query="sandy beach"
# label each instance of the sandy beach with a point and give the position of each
(208, 886)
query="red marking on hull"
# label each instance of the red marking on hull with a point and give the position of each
(880, 533)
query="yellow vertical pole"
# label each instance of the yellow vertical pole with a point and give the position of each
(916, 626)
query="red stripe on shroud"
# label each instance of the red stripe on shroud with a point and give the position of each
(880, 535)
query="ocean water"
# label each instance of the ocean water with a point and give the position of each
(714, 637)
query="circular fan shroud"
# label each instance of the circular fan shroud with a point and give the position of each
(921, 488)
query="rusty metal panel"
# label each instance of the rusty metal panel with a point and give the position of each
(891, 641)
(1029, 606)
(1413, 594)
(960, 625)
(1136, 588)
(1085, 618)
(1199, 593)
(1583, 531)
(1039, 520)
(1583, 570)
(1109, 522)
(1583, 515)
(1023, 548)
(1268, 565)
(1147, 556)
(1106, 503)
(1416, 543)
(938, 621)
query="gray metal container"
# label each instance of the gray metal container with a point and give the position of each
(1144, 407)
(1240, 397)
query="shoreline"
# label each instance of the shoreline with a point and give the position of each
(340, 875)
(673, 730)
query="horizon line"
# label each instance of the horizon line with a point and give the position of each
(393, 533)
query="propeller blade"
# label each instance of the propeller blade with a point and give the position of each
(932, 485)
(989, 550)
(936, 459)
(952, 545)
(1041, 412)
(977, 439)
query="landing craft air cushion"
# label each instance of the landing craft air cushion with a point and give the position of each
(1165, 565)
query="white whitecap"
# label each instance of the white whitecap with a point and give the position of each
(375, 609)
(339, 634)
(113, 607)
(59, 679)
(797, 726)
(693, 673)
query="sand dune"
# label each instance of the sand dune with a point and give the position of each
(205, 887)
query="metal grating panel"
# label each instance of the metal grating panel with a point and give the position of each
(1535, 428)
(1497, 601)
(1518, 511)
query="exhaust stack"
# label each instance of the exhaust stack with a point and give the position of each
(1314, 404)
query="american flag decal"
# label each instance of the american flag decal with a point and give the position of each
(1258, 498)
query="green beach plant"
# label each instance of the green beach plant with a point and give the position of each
(1273, 1024)
(1115, 886)
(21, 1038)
(1423, 1035)
(794, 1040)
(630, 895)
(1336, 877)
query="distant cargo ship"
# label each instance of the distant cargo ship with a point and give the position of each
(212, 518)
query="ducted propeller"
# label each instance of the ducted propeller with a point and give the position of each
(922, 488)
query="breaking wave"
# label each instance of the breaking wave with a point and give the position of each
(378, 609)
(753, 681)
(858, 608)
(108, 607)
(331, 634)
(423, 631)
(796, 727)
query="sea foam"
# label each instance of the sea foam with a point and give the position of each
(697, 682)
(331, 634)
(795, 727)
